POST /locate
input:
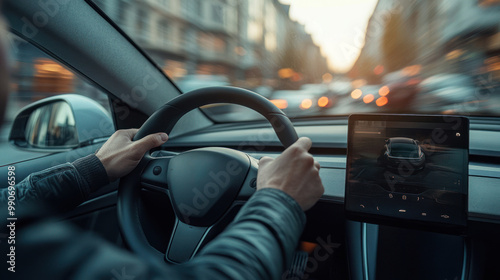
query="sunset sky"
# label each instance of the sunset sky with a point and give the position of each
(337, 26)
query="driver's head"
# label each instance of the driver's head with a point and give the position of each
(4, 71)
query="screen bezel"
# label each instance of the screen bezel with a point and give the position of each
(400, 222)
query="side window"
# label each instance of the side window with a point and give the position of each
(35, 75)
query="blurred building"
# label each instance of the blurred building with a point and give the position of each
(184, 37)
(36, 75)
(471, 35)
(244, 40)
(445, 36)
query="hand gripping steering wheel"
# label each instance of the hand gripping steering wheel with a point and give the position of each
(206, 186)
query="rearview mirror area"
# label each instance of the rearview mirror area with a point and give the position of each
(52, 126)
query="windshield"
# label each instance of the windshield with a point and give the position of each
(326, 57)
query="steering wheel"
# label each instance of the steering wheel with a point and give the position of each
(206, 186)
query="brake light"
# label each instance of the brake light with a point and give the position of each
(280, 103)
(306, 104)
(323, 101)
(355, 94)
(368, 98)
(383, 91)
(381, 101)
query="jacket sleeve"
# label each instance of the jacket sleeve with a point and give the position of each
(258, 244)
(63, 187)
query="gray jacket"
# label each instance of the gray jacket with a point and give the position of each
(258, 244)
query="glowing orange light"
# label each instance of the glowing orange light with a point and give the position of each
(383, 91)
(381, 101)
(323, 101)
(454, 54)
(280, 103)
(285, 73)
(411, 70)
(448, 112)
(355, 94)
(48, 68)
(51, 77)
(327, 77)
(306, 104)
(492, 67)
(379, 69)
(308, 246)
(368, 98)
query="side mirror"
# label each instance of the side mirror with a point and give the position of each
(51, 126)
(61, 122)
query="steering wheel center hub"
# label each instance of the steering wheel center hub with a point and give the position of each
(203, 183)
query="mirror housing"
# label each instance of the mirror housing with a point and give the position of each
(61, 122)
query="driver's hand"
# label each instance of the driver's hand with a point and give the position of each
(295, 172)
(120, 154)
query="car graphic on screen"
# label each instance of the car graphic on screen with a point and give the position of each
(399, 150)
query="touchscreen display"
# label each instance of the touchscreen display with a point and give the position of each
(410, 169)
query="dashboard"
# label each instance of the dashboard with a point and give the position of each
(356, 250)
(329, 149)
(381, 251)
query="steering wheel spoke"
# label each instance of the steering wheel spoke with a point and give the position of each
(250, 184)
(185, 242)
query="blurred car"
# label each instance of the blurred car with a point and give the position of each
(398, 150)
(340, 88)
(323, 95)
(296, 102)
(400, 89)
(339, 91)
(449, 93)
(316, 88)
(445, 80)
(365, 96)
(192, 82)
